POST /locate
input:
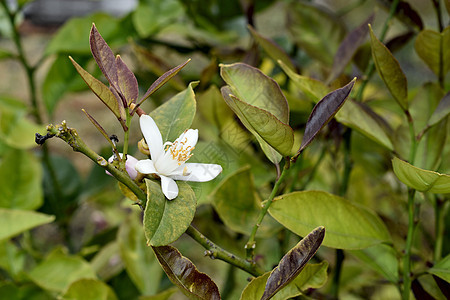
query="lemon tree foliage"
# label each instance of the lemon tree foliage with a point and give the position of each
(303, 144)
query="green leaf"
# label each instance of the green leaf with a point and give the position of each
(348, 47)
(242, 212)
(21, 186)
(105, 262)
(442, 110)
(149, 20)
(382, 258)
(4, 54)
(313, 276)
(14, 221)
(390, 71)
(165, 221)
(139, 260)
(12, 259)
(91, 289)
(420, 179)
(271, 48)
(177, 114)
(442, 268)
(183, 273)
(360, 117)
(312, 88)
(266, 127)
(348, 225)
(322, 113)
(16, 130)
(101, 91)
(77, 29)
(58, 271)
(11, 291)
(165, 295)
(293, 262)
(59, 79)
(255, 88)
(315, 30)
(432, 48)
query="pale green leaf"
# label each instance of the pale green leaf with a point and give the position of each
(58, 271)
(348, 225)
(442, 268)
(382, 258)
(359, 117)
(14, 222)
(420, 179)
(91, 289)
(432, 48)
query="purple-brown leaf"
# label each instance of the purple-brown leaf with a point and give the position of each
(183, 273)
(293, 262)
(162, 80)
(127, 82)
(104, 57)
(322, 113)
(348, 47)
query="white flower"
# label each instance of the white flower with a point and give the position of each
(168, 160)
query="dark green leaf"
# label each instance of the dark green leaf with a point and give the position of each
(183, 273)
(21, 186)
(165, 221)
(102, 92)
(11, 291)
(139, 260)
(242, 212)
(442, 268)
(361, 118)
(14, 221)
(420, 179)
(293, 262)
(315, 30)
(349, 226)
(348, 47)
(177, 114)
(272, 49)
(91, 289)
(162, 80)
(442, 110)
(322, 113)
(127, 82)
(390, 71)
(312, 276)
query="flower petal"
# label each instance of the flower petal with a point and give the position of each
(169, 187)
(152, 136)
(145, 166)
(197, 172)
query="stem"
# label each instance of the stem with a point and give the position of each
(409, 241)
(70, 136)
(215, 251)
(371, 67)
(412, 153)
(251, 244)
(127, 133)
(437, 8)
(441, 207)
